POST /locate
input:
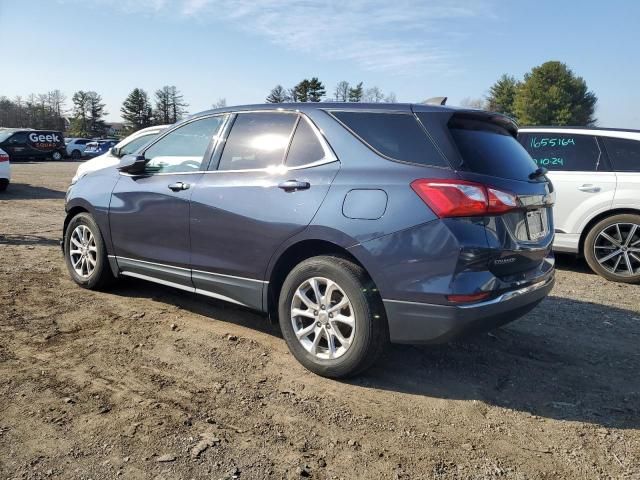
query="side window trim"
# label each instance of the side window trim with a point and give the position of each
(213, 141)
(329, 157)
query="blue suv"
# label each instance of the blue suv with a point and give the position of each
(352, 224)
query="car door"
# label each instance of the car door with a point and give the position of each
(149, 212)
(624, 154)
(582, 180)
(253, 200)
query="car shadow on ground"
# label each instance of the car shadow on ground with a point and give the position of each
(26, 239)
(25, 191)
(566, 360)
(572, 263)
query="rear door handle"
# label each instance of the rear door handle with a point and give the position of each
(176, 187)
(293, 185)
(587, 187)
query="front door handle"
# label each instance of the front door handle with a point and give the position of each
(587, 187)
(293, 185)
(178, 186)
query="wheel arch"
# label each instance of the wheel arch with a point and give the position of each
(292, 256)
(599, 217)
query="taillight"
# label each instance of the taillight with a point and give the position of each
(459, 198)
(3, 156)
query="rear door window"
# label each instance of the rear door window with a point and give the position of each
(563, 151)
(397, 136)
(623, 153)
(305, 147)
(257, 140)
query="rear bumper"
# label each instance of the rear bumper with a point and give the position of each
(412, 322)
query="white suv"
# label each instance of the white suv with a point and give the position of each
(5, 170)
(596, 175)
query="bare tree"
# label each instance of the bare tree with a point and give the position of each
(373, 95)
(342, 91)
(475, 103)
(221, 103)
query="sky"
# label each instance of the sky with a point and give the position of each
(240, 49)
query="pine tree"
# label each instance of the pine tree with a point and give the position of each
(356, 93)
(170, 105)
(316, 90)
(551, 94)
(96, 124)
(136, 110)
(80, 119)
(278, 95)
(301, 91)
(502, 95)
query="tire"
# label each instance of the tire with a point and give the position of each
(621, 234)
(101, 276)
(57, 156)
(76, 155)
(364, 342)
(4, 183)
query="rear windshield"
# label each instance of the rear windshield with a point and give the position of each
(489, 149)
(5, 135)
(398, 136)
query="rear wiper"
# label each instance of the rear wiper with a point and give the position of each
(540, 172)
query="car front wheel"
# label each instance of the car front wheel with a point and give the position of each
(4, 183)
(85, 253)
(76, 154)
(612, 248)
(331, 317)
(57, 156)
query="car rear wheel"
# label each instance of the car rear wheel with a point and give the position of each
(85, 253)
(57, 156)
(4, 183)
(612, 248)
(332, 317)
(76, 154)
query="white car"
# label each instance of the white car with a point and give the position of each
(5, 170)
(596, 176)
(130, 144)
(76, 146)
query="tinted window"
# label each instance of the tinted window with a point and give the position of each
(395, 135)
(562, 151)
(135, 144)
(624, 153)
(183, 149)
(305, 147)
(20, 137)
(257, 140)
(490, 149)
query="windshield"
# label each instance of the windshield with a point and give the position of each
(135, 144)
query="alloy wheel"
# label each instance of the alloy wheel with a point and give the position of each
(83, 251)
(323, 318)
(617, 249)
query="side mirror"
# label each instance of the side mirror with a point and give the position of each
(115, 151)
(132, 164)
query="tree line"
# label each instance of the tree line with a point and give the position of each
(550, 94)
(313, 90)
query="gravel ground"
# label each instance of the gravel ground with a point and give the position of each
(147, 382)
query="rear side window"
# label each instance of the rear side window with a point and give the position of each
(562, 151)
(397, 136)
(305, 147)
(489, 149)
(257, 140)
(623, 153)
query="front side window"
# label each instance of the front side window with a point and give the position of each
(20, 137)
(305, 147)
(562, 151)
(257, 140)
(398, 136)
(624, 153)
(137, 143)
(183, 149)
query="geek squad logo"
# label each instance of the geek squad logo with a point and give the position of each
(44, 142)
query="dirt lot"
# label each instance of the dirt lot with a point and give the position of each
(148, 382)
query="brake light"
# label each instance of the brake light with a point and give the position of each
(467, 298)
(460, 198)
(4, 157)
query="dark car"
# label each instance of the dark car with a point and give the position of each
(26, 144)
(98, 147)
(353, 224)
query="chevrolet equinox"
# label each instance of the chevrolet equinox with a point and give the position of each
(352, 224)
